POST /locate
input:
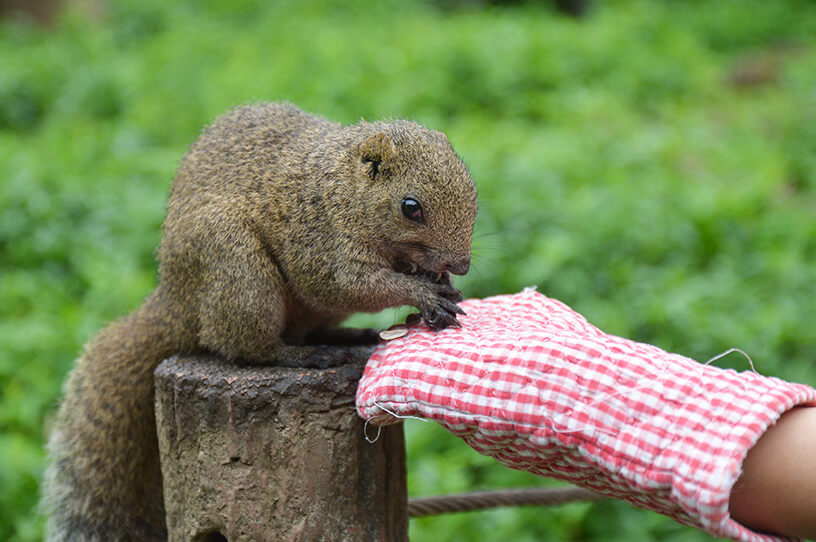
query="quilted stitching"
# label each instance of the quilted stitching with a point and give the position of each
(530, 382)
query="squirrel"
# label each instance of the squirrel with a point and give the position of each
(279, 225)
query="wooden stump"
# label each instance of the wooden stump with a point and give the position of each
(269, 453)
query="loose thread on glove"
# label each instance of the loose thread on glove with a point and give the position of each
(365, 433)
(731, 351)
(400, 416)
(394, 414)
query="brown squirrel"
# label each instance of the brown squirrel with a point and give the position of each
(279, 225)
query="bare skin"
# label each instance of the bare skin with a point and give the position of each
(777, 490)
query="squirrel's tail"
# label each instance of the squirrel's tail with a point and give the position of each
(104, 482)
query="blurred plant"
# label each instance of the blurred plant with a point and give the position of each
(623, 165)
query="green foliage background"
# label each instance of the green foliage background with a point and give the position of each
(652, 165)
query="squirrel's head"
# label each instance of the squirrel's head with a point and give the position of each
(416, 197)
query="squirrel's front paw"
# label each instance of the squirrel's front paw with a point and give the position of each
(441, 313)
(444, 287)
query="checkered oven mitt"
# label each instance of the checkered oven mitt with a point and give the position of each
(530, 382)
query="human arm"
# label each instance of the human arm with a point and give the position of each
(776, 492)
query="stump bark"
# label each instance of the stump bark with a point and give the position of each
(277, 454)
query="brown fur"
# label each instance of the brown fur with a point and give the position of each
(279, 225)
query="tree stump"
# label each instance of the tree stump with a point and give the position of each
(271, 453)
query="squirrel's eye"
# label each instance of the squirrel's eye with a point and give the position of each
(412, 210)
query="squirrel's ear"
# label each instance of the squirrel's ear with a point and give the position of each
(376, 149)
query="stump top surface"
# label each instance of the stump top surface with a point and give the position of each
(217, 375)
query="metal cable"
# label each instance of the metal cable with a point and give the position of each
(447, 504)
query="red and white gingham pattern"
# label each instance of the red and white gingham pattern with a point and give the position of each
(530, 382)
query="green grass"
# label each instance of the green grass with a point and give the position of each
(653, 165)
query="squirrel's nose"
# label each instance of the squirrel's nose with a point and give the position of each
(459, 267)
